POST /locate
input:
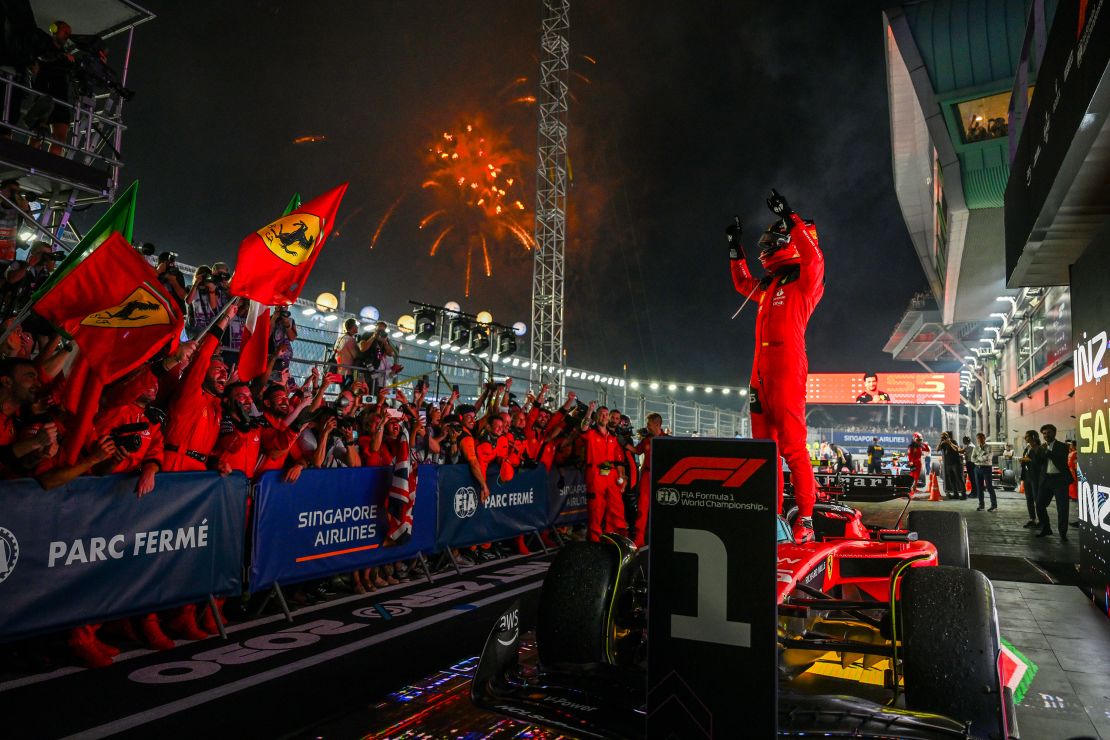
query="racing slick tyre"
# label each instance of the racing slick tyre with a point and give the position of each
(572, 624)
(1008, 480)
(950, 647)
(947, 530)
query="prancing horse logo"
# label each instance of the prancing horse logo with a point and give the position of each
(292, 238)
(139, 309)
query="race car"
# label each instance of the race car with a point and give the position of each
(885, 601)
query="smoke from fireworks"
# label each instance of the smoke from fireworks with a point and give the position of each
(473, 182)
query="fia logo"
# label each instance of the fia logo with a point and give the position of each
(466, 502)
(9, 553)
(667, 496)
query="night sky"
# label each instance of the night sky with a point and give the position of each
(691, 114)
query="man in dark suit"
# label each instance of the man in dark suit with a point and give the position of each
(1054, 483)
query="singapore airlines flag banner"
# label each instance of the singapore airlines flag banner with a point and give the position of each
(712, 641)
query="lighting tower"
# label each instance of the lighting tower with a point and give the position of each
(551, 196)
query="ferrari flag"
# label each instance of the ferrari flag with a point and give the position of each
(113, 307)
(275, 261)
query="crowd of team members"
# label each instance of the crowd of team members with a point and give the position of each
(186, 411)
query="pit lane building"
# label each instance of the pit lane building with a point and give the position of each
(960, 76)
(1001, 157)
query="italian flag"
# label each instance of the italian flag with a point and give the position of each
(1016, 670)
(253, 355)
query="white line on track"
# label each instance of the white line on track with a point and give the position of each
(141, 718)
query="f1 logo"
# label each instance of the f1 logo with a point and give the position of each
(733, 472)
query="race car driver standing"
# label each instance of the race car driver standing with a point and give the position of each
(786, 295)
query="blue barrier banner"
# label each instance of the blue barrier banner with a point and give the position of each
(332, 521)
(566, 496)
(863, 439)
(91, 550)
(512, 508)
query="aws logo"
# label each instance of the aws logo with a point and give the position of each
(141, 308)
(733, 472)
(292, 238)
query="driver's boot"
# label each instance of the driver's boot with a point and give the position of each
(803, 529)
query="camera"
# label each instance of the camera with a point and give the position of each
(147, 248)
(421, 383)
(518, 434)
(126, 436)
(282, 313)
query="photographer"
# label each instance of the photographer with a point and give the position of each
(24, 277)
(11, 219)
(240, 444)
(134, 426)
(171, 278)
(375, 353)
(52, 73)
(282, 335)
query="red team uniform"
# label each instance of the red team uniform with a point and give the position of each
(786, 298)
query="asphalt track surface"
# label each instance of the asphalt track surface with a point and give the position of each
(272, 678)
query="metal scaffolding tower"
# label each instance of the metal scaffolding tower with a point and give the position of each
(551, 197)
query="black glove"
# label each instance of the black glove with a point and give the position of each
(735, 251)
(779, 206)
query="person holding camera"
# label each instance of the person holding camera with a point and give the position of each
(376, 354)
(283, 333)
(52, 76)
(240, 444)
(135, 426)
(11, 219)
(172, 278)
(24, 277)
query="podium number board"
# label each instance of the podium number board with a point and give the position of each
(712, 640)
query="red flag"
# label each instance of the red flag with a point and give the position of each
(274, 262)
(114, 308)
(256, 339)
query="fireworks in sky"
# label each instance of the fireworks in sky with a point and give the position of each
(476, 199)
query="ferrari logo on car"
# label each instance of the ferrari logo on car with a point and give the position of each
(733, 472)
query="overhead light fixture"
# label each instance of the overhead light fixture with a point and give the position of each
(458, 331)
(708, 390)
(634, 384)
(654, 386)
(689, 389)
(726, 391)
(308, 311)
(672, 387)
(331, 317)
(506, 342)
(743, 391)
(479, 339)
(425, 320)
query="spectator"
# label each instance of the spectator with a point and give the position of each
(345, 352)
(240, 443)
(981, 457)
(172, 278)
(233, 337)
(875, 457)
(51, 112)
(324, 443)
(1054, 483)
(969, 466)
(11, 220)
(953, 467)
(282, 335)
(1032, 465)
(24, 277)
(376, 353)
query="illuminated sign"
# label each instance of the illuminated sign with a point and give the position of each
(883, 388)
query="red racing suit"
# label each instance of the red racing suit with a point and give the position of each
(604, 505)
(786, 300)
(195, 415)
